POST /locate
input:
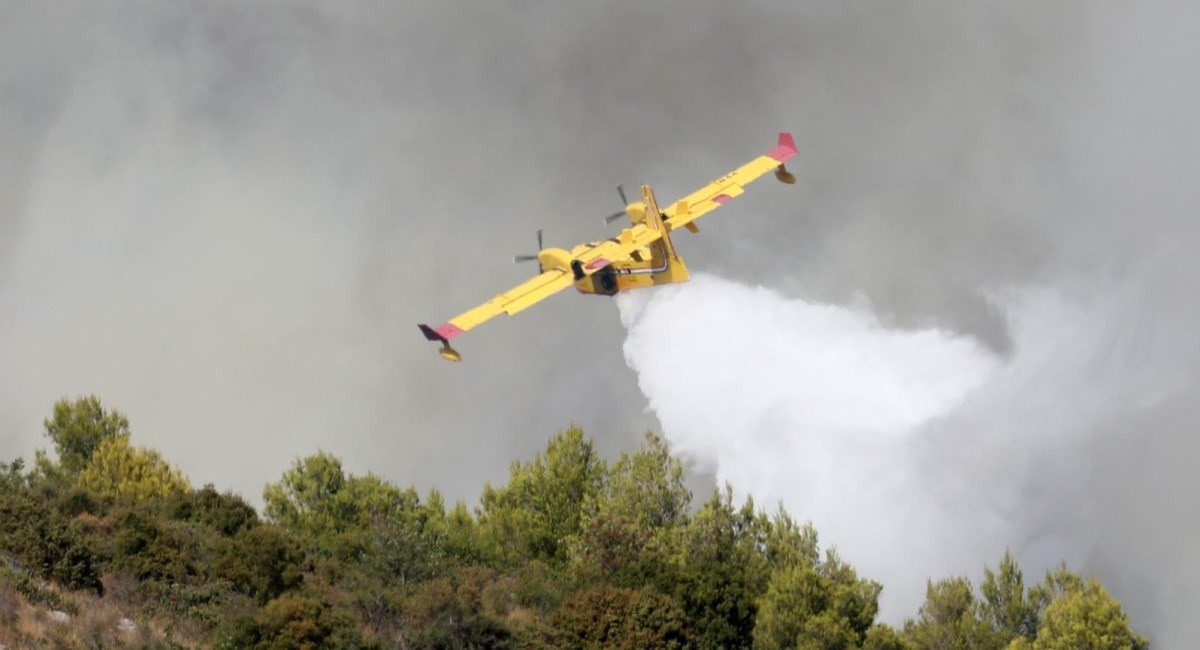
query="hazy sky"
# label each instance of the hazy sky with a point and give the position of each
(226, 219)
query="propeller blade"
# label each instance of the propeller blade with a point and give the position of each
(621, 191)
(539, 233)
(524, 258)
(614, 216)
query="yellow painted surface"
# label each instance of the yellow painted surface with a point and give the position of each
(644, 245)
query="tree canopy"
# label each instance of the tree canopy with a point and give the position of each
(573, 551)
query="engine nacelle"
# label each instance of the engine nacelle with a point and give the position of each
(554, 258)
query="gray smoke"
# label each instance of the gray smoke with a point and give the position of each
(226, 220)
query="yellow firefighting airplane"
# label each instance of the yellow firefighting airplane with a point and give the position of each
(642, 255)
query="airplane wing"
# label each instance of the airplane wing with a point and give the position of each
(533, 291)
(518, 298)
(683, 212)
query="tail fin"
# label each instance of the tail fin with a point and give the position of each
(654, 219)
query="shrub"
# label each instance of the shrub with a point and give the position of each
(612, 617)
(263, 562)
(48, 543)
(227, 513)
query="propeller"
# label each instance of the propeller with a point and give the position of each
(617, 215)
(532, 258)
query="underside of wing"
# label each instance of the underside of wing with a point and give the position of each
(719, 192)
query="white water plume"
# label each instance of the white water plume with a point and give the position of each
(918, 453)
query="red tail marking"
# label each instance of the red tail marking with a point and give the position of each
(785, 149)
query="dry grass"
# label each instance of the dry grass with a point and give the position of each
(27, 625)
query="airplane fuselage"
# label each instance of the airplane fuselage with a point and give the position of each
(647, 267)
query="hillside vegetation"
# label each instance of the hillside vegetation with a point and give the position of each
(107, 545)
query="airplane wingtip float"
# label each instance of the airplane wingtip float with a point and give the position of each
(641, 255)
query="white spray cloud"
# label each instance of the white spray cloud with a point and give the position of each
(917, 453)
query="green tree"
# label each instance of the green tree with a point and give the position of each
(647, 487)
(1004, 605)
(12, 476)
(720, 570)
(543, 503)
(1086, 616)
(884, 637)
(316, 499)
(226, 512)
(263, 562)
(119, 469)
(948, 619)
(462, 537)
(1056, 584)
(306, 499)
(625, 534)
(824, 606)
(615, 550)
(77, 428)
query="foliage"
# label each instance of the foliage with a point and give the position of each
(614, 617)
(47, 543)
(720, 570)
(884, 637)
(227, 513)
(948, 619)
(613, 549)
(1086, 616)
(1005, 606)
(542, 505)
(155, 550)
(293, 621)
(262, 562)
(626, 530)
(121, 470)
(12, 476)
(316, 499)
(77, 427)
(816, 606)
(647, 487)
(571, 552)
(1063, 611)
(449, 612)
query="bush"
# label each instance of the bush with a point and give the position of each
(227, 513)
(77, 501)
(263, 562)
(293, 621)
(613, 617)
(152, 551)
(449, 613)
(48, 543)
(202, 606)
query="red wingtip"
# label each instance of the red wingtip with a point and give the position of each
(785, 149)
(443, 332)
(430, 333)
